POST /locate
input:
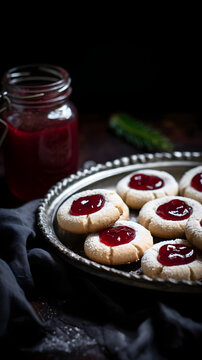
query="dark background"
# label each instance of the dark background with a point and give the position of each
(119, 76)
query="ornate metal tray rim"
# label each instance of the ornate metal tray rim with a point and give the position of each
(110, 272)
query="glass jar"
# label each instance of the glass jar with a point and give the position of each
(41, 145)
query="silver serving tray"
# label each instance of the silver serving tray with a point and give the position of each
(106, 176)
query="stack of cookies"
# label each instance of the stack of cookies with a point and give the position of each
(170, 214)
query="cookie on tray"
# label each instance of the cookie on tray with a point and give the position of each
(90, 210)
(190, 184)
(193, 230)
(142, 186)
(167, 217)
(122, 243)
(176, 259)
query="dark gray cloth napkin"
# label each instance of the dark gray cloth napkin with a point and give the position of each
(95, 318)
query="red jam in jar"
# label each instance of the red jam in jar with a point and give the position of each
(176, 254)
(196, 182)
(118, 235)
(174, 210)
(145, 182)
(41, 146)
(87, 205)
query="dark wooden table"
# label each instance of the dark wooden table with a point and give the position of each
(99, 144)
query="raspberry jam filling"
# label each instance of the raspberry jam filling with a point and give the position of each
(87, 205)
(174, 210)
(118, 235)
(145, 182)
(201, 222)
(176, 254)
(196, 182)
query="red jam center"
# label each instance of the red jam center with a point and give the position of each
(201, 222)
(145, 182)
(176, 254)
(174, 210)
(87, 205)
(118, 235)
(196, 182)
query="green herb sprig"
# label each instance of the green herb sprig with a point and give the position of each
(138, 134)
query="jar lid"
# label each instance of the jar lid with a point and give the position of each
(36, 81)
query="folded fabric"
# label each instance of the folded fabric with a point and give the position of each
(94, 318)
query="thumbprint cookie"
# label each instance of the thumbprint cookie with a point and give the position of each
(193, 230)
(167, 217)
(90, 210)
(144, 185)
(190, 184)
(176, 259)
(122, 243)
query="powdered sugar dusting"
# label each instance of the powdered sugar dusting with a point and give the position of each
(65, 338)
